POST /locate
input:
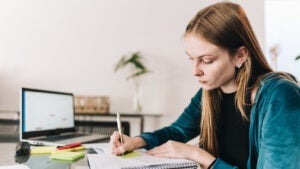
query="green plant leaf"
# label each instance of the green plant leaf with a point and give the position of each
(297, 58)
(137, 74)
(136, 60)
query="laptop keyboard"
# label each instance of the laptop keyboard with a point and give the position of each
(62, 137)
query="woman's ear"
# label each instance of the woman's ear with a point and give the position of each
(241, 56)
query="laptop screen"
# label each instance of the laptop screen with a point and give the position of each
(45, 113)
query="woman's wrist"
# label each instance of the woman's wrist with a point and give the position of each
(202, 157)
(211, 164)
(139, 142)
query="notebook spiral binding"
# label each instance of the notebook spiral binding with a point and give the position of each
(188, 165)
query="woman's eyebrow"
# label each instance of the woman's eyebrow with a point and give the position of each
(200, 55)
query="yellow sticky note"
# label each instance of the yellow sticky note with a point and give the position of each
(42, 149)
(68, 156)
(131, 154)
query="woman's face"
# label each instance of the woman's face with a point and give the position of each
(212, 65)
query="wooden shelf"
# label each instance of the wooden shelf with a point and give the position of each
(140, 116)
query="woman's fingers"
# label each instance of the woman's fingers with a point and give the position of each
(115, 142)
(117, 147)
(171, 149)
(163, 149)
(114, 139)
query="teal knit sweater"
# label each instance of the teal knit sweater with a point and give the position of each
(274, 136)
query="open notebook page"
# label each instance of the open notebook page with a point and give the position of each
(137, 159)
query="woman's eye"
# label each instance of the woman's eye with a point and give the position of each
(191, 59)
(207, 61)
(201, 60)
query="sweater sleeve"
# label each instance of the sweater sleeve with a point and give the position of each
(186, 127)
(279, 145)
(220, 164)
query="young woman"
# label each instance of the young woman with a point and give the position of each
(247, 115)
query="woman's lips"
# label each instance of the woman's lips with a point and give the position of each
(202, 82)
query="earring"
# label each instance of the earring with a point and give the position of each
(239, 66)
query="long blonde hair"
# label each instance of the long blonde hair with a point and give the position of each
(226, 25)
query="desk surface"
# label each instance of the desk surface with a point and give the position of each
(7, 157)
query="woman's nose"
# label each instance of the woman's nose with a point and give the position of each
(197, 70)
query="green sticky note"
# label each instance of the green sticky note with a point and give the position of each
(68, 156)
(131, 154)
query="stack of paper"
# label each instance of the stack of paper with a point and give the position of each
(16, 166)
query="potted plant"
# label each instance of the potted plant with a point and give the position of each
(135, 63)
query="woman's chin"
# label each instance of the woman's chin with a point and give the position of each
(207, 87)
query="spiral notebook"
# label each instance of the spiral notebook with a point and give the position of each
(137, 160)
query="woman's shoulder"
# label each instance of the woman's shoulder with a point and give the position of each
(277, 93)
(197, 97)
(278, 84)
(275, 79)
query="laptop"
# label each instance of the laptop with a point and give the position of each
(47, 118)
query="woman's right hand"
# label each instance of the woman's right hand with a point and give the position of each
(130, 143)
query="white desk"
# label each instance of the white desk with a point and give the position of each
(7, 153)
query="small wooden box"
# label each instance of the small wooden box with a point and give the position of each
(92, 104)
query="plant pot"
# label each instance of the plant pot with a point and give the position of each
(137, 95)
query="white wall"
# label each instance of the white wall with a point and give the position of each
(282, 29)
(73, 45)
